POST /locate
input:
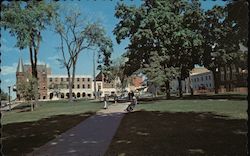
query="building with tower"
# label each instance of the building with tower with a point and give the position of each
(24, 71)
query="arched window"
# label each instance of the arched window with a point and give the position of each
(83, 94)
(50, 95)
(67, 95)
(78, 95)
(62, 95)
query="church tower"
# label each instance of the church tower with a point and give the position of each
(20, 76)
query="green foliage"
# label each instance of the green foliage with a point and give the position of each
(3, 95)
(26, 88)
(163, 35)
(169, 36)
(25, 20)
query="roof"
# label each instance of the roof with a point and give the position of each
(40, 68)
(199, 70)
(20, 67)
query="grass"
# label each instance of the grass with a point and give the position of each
(183, 127)
(230, 108)
(48, 109)
(23, 131)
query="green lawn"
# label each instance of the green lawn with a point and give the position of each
(231, 108)
(183, 127)
(48, 109)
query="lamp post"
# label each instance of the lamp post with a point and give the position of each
(9, 98)
(94, 75)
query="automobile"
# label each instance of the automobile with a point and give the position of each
(146, 95)
(123, 99)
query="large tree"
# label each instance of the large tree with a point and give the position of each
(26, 20)
(221, 46)
(76, 36)
(162, 35)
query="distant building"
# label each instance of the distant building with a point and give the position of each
(22, 75)
(200, 80)
(233, 79)
(58, 86)
(104, 87)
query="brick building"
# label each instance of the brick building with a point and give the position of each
(22, 73)
(233, 79)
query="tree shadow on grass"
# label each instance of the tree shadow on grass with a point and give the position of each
(189, 133)
(22, 138)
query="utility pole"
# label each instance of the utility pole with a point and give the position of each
(94, 75)
(9, 98)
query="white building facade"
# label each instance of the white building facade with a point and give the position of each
(58, 86)
(200, 80)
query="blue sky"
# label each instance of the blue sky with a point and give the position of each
(102, 10)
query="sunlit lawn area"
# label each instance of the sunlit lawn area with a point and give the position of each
(230, 108)
(47, 109)
(183, 127)
(25, 131)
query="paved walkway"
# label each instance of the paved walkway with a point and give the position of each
(89, 138)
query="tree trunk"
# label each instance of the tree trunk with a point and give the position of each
(167, 90)
(73, 77)
(231, 78)
(216, 81)
(70, 86)
(31, 106)
(180, 87)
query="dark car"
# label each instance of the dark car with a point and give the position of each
(123, 99)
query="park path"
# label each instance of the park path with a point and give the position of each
(89, 138)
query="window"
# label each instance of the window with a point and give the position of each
(222, 77)
(210, 85)
(197, 79)
(73, 86)
(209, 77)
(78, 79)
(88, 79)
(83, 86)
(67, 79)
(88, 85)
(201, 78)
(194, 79)
(62, 79)
(50, 79)
(89, 95)
(206, 77)
(78, 86)
(82, 79)
(56, 79)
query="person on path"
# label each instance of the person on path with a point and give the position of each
(129, 95)
(115, 98)
(105, 102)
(132, 105)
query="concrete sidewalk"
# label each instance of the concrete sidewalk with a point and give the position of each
(89, 138)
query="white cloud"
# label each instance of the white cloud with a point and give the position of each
(53, 58)
(5, 48)
(7, 80)
(7, 70)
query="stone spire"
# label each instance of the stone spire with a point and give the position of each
(20, 67)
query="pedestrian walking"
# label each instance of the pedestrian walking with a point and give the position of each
(115, 98)
(105, 101)
(132, 105)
